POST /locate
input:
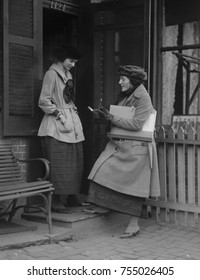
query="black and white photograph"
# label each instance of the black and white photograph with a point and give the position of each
(99, 138)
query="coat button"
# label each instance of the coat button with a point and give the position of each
(116, 148)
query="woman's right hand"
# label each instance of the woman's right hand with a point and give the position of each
(63, 119)
(66, 126)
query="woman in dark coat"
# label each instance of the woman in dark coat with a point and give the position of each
(127, 171)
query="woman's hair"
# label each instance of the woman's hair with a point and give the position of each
(65, 51)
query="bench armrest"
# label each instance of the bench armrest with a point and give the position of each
(43, 160)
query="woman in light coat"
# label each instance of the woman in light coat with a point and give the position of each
(61, 129)
(127, 171)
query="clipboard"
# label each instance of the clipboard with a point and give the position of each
(147, 132)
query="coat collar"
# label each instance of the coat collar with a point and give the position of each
(138, 92)
(65, 76)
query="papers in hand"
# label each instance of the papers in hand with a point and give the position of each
(97, 112)
(146, 134)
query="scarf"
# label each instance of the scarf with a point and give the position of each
(124, 94)
(68, 92)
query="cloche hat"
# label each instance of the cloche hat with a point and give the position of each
(66, 51)
(132, 72)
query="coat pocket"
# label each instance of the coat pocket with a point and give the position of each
(140, 149)
(64, 128)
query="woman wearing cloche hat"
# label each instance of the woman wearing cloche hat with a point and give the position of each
(126, 172)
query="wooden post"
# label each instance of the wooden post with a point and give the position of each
(190, 173)
(171, 176)
(162, 171)
(181, 216)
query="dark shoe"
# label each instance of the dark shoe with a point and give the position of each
(96, 210)
(85, 204)
(61, 210)
(90, 211)
(73, 201)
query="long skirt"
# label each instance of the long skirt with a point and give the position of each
(66, 165)
(113, 200)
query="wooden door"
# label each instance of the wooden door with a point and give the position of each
(22, 62)
(121, 36)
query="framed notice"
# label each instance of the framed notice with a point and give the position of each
(184, 121)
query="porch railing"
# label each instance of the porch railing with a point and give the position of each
(179, 168)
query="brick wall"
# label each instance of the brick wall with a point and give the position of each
(20, 150)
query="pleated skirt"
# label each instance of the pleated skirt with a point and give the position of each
(113, 200)
(66, 165)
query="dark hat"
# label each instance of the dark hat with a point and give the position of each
(66, 51)
(132, 72)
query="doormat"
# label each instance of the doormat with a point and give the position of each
(11, 227)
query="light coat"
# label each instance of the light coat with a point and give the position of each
(125, 165)
(51, 99)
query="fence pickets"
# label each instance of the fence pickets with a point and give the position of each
(178, 153)
(181, 215)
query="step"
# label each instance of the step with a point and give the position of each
(34, 234)
(82, 222)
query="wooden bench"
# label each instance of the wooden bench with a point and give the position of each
(13, 186)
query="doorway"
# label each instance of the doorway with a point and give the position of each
(58, 28)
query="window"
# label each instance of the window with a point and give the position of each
(180, 59)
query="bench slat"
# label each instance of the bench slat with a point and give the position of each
(27, 189)
(8, 171)
(26, 194)
(24, 185)
(5, 155)
(15, 189)
(8, 160)
(10, 167)
(3, 182)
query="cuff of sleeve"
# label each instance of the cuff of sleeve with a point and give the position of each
(115, 119)
(55, 113)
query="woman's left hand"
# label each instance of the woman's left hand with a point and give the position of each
(106, 113)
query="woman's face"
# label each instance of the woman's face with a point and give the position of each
(124, 83)
(69, 63)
